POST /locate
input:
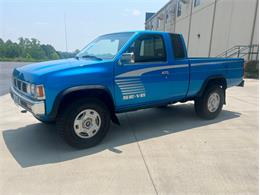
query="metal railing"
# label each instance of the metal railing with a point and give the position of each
(248, 52)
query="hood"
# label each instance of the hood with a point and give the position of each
(30, 71)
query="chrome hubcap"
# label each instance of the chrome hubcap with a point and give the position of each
(213, 102)
(87, 123)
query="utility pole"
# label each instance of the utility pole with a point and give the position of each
(190, 20)
(65, 30)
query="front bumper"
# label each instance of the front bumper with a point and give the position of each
(36, 107)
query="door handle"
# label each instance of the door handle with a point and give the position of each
(166, 72)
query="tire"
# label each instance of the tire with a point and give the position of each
(84, 123)
(202, 106)
(163, 106)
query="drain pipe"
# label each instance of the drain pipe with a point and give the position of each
(253, 31)
(188, 42)
(212, 28)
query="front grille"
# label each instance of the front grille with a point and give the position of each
(21, 86)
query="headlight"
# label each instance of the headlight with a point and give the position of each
(37, 91)
(32, 90)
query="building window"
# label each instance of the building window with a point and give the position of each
(179, 9)
(196, 3)
(167, 18)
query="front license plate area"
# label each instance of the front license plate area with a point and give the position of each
(16, 99)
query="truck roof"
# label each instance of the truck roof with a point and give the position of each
(142, 31)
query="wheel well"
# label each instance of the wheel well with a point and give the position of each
(100, 94)
(220, 81)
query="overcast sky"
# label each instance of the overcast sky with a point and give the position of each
(85, 19)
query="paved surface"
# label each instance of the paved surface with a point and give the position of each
(154, 151)
(6, 69)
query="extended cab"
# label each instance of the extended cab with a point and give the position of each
(121, 72)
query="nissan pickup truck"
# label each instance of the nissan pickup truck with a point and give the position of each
(117, 73)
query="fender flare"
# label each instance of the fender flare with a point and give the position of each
(61, 95)
(208, 80)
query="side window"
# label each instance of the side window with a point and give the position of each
(178, 48)
(148, 48)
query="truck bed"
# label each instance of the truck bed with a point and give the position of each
(202, 68)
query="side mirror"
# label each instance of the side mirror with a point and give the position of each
(127, 58)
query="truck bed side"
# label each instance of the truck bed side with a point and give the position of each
(202, 69)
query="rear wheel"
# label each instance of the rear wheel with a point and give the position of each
(210, 104)
(84, 123)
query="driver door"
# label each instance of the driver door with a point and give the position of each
(143, 80)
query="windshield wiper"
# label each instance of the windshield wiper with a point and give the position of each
(90, 56)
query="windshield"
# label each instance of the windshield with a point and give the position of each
(105, 47)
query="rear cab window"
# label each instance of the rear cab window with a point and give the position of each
(177, 46)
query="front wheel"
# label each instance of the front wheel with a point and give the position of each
(84, 123)
(210, 104)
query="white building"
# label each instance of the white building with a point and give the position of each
(211, 27)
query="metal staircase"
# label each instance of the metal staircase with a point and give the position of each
(248, 52)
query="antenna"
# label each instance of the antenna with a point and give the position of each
(65, 28)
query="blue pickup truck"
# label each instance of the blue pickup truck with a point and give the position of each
(117, 73)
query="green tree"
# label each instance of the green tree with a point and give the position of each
(30, 49)
(50, 52)
(1, 48)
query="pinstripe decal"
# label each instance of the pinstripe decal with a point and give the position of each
(139, 72)
(214, 63)
(133, 87)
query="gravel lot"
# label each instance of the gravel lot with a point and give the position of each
(154, 151)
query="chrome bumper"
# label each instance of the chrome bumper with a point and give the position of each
(34, 106)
